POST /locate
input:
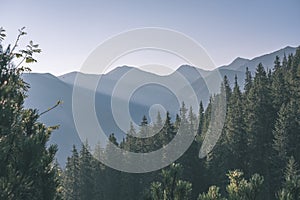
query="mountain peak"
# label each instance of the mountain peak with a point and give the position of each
(289, 47)
(239, 59)
(236, 63)
(119, 70)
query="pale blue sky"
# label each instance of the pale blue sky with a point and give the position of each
(68, 30)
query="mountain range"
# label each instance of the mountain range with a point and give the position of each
(46, 89)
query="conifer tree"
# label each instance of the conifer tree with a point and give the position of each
(86, 172)
(248, 81)
(286, 138)
(260, 120)
(200, 119)
(235, 131)
(111, 177)
(212, 194)
(239, 188)
(171, 187)
(280, 93)
(291, 185)
(71, 180)
(26, 165)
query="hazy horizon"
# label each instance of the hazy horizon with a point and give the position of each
(68, 31)
(174, 68)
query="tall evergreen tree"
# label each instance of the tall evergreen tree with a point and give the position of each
(260, 120)
(86, 172)
(235, 132)
(112, 177)
(226, 87)
(280, 94)
(71, 180)
(286, 135)
(248, 81)
(200, 119)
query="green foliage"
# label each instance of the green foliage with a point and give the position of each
(71, 177)
(260, 134)
(171, 187)
(239, 188)
(235, 131)
(27, 170)
(291, 185)
(212, 194)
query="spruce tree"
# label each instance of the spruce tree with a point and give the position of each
(200, 119)
(71, 180)
(280, 94)
(86, 173)
(111, 176)
(235, 132)
(260, 119)
(286, 136)
(248, 81)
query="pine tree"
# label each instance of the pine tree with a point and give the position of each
(177, 122)
(260, 119)
(99, 182)
(71, 181)
(26, 165)
(193, 170)
(279, 91)
(200, 119)
(130, 139)
(226, 87)
(291, 185)
(158, 123)
(168, 131)
(286, 140)
(248, 81)
(235, 131)
(183, 114)
(239, 188)
(171, 187)
(111, 176)
(86, 172)
(212, 194)
(192, 121)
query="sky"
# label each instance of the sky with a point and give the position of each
(69, 30)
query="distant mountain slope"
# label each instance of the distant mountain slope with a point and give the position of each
(47, 89)
(267, 60)
(236, 64)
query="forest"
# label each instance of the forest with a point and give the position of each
(256, 157)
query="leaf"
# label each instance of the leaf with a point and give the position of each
(37, 50)
(18, 55)
(30, 60)
(24, 51)
(21, 31)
